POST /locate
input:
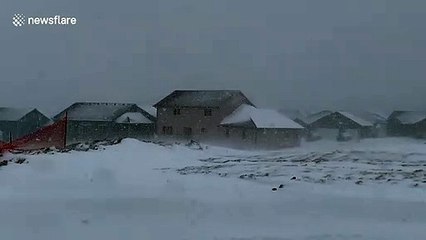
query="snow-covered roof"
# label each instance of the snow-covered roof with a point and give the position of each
(13, 114)
(201, 98)
(411, 117)
(95, 111)
(315, 116)
(262, 118)
(356, 119)
(98, 111)
(149, 109)
(132, 117)
(373, 117)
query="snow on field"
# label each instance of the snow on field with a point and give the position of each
(373, 189)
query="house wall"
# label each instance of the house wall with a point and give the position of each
(332, 133)
(239, 137)
(194, 118)
(31, 122)
(87, 131)
(380, 130)
(8, 128)
(328, 127)
(395, 128)
(334, 121)
(26, 125)
(278, 138)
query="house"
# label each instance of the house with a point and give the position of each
(305, 121)
(18, 122)
(377, 119)
(196, 114)
(407, 123)
(89, 121)
(341, 125)
(249, 126)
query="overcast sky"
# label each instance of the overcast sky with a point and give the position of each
(307, 54)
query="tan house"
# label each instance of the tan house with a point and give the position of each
(248, 126)
(196, 114)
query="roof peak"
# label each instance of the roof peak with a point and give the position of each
(201, 98)
(104, 103)
(207, 90)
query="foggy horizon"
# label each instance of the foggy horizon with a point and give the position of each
(302, 54)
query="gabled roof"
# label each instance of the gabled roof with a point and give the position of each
(330, 116)
(149, 109)
(132, 117)
(261, 118)
(13, 114)
(372, 117)
(358, 120)
(315, 116)
(200, 98)
(100, 111)
(408, 117)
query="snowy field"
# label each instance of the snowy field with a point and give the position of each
(373, 189)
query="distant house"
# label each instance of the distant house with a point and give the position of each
(305, 121)
(407, 123)
(89, 121)
(378, 120)
(248, 126)
(196, 114)
(18, 122)
(341, 125)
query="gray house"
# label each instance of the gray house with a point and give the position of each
(89, 121)
(342, 126)
(251, 127)
(407, 123)
(18, 122)
(196, 114)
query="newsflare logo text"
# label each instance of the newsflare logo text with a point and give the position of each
(19, 20)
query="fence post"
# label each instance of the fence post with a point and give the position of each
(65, 129)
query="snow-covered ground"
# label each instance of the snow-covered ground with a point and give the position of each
(373, 189)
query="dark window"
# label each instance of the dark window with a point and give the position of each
(244, 135)
(227, 132)
(176, 111)
(167, 130)
(207, 112)
(187, 131)
(203, 130)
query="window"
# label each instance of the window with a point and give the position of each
(203, 130)
(244, 135)
(176, 111)
(187, 131)
(227, 132)
(207, 112)
(167, 130)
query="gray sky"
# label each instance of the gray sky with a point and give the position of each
(305, 54)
